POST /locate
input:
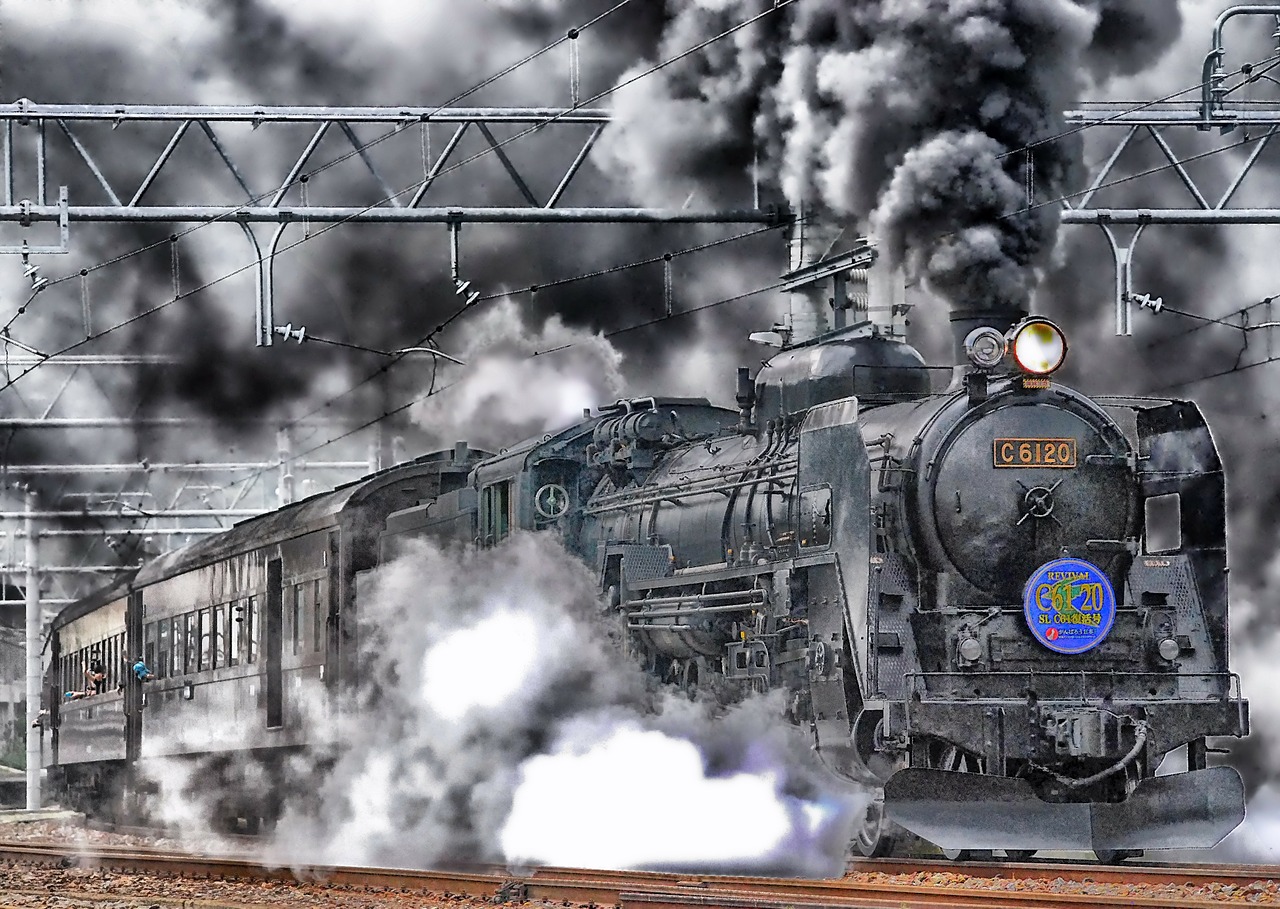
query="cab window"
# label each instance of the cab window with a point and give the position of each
(495, 512)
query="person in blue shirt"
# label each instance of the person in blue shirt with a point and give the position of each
(141, 671)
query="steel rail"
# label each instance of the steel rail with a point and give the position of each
(653, 889)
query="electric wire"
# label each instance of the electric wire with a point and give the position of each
(682, 313)
(779, 4)
(1273, 60)
(1217, 375)
(355, 151)
(433, 390)
(426, 339)
(1241, 326)
(614, 269)
(1024, 210)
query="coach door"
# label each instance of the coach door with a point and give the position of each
(274, 644)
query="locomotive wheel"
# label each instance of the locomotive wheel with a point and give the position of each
(689, 680)
(968, 855)
(1116, 856)
(876, 837)
(1019, 855)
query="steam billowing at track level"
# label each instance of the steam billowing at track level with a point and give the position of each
(495, 722)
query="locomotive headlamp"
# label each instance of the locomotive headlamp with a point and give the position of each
(1169, 649)
(984, 347)
(970, 650)
(1038, 345)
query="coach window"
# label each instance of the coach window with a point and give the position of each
(202, 640)
(318, 623)
(219, 636)
(162, 662)
(495, 512)
(236, 621)
(178, 657)
(190, 635)
(251, 631)
(295, 618)
(149, 644)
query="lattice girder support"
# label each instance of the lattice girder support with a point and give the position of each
(71, 138)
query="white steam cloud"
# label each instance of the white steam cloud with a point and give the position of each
(619, 795)
(518, 381)
(497, 719)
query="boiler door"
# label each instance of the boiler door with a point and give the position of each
(1014, 489)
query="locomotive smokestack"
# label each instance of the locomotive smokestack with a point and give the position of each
(809, 240)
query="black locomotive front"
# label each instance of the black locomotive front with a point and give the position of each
(964, 592)
(1058, 655)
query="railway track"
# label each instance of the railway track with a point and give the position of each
(873, 883)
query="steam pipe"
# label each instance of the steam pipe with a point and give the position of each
(744, 596)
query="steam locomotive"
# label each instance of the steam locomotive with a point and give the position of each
(1000, 605)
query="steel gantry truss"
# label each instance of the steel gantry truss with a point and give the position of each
(93, 148)
(115, 508)
(1252, 123)
(63, 164)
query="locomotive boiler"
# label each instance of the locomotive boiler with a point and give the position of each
(1000, 604)
(967, 593)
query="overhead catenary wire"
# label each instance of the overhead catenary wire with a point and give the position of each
(1024, 210)
(614, 269)
(533, 288)
(433, 390)
(494, 147)
(359, 149)
(1217, 375)
(780, 4)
